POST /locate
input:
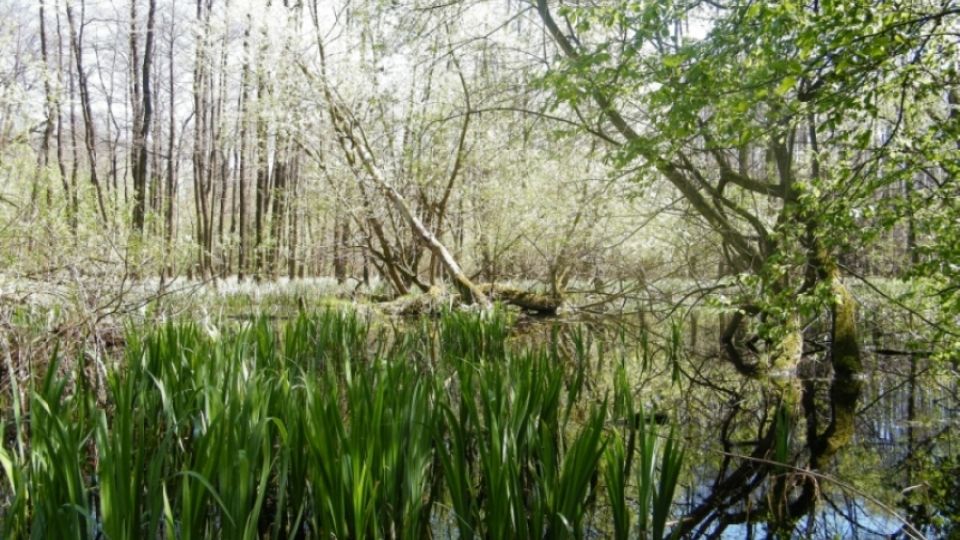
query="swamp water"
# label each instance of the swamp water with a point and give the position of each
(897, 478)
(333, 425)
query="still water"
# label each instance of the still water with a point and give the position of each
(894, 478)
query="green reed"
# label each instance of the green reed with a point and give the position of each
(329, 426)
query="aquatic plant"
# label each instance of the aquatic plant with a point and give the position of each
(326, 426)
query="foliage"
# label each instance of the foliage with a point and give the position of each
(323, 427)
(798, 128)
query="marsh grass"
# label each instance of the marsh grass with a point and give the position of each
(329, 426)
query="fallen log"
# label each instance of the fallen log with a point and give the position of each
(437, 298)
(431, 302)
(541, 303)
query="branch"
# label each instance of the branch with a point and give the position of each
(675, 176)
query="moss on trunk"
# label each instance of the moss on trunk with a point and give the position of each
(544, 304)
(783, 365)
(846, 386)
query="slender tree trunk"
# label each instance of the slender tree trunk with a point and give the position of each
(914, 254)
(454, 170)
(202, 184)
(339, 257)
(61, 160)
(263, 179)
(278, 210)
(243, 158)
(90, 138)
(112, 139)
(140, 172)
(293, 211)
(52, 109)
(75, 150)
(156, 166)
(69, 181)
(170, 197)
(221, 168)
(390, 260)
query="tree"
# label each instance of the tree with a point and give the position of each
(86, 107)
(357, 153)
(832, 97)
(144, 114)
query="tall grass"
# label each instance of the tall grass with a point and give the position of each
(330, 427)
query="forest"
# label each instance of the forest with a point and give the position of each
(479, 269)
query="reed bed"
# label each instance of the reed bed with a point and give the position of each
(327, 426)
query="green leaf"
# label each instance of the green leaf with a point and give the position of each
(786, 85)
(672, 61)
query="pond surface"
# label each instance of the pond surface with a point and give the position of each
(895, 477)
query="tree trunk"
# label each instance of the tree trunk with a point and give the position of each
(357, 147)
(201, 144)
(221, 168)
(171, 191)
(544, 304)
(68, 192)
(244, 155)
(74, 151)
(263, 179)
(293, 216)
(52, 109)
(339, 245)
(278, 210)
(140, 170)
(90, 138)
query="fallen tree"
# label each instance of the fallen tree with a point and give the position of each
(541, 303)
(435, 299)
(357, 152)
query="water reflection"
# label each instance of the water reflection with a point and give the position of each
(759, 461)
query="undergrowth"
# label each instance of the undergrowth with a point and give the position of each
(326, 427)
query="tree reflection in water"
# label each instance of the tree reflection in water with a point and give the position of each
(819, 451)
